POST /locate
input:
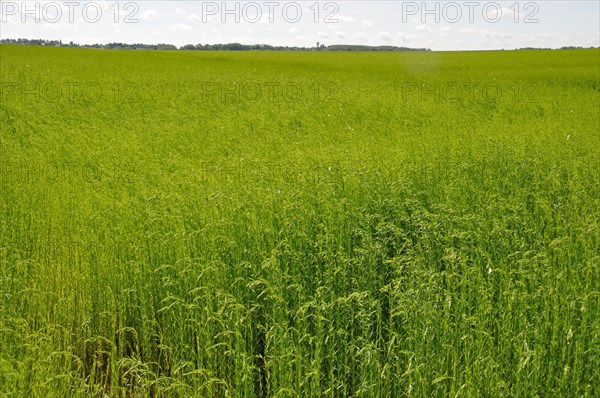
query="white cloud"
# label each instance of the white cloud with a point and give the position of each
(366, 23)
(491, 13)
(106, 5)
(241, 40)
(507, 13)
(339, 35)
(54, 26)
(360, 37)
(385, 36)
(545, 35)
(264, 18)
(403, 37)
(422, 28)
(180, 26)
(149, 14)
(344, 19)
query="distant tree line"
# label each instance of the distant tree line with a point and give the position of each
(356, 47)
(117, 46)
(562, 48)
(242, 47)
(233, 46)
(207, 47)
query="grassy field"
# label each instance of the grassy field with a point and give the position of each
(228, 224)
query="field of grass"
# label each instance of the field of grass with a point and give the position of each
(216, 224)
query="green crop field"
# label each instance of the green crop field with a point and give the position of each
(256, 224)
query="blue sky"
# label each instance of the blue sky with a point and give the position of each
(439, 25)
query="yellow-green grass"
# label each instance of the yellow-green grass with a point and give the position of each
(209, 224)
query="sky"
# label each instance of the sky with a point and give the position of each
(438, 25)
